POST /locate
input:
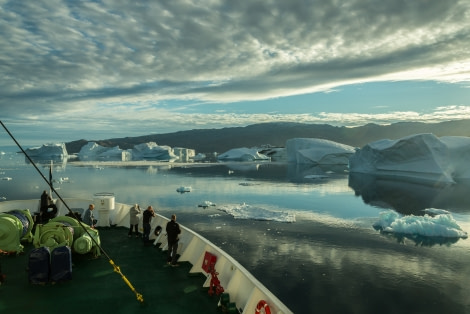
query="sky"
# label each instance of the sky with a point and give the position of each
(104, 69)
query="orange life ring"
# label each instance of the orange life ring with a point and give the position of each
(263, 304)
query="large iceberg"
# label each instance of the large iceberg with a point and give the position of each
(48, 151)
(153, 151)
(317, 151)
(419, 157)
(94, 151)
(243, 154)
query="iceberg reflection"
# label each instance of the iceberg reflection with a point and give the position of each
(409, 197)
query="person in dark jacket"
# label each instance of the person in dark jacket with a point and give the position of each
(146, 219)
(172, 232)
(46, 203)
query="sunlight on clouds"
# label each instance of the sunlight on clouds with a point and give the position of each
(158, 120)
(121, 62)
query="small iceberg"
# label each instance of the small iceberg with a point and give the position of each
(7, 178)
(440, 226)
(184, 189)
(206, 204)
(64, 180)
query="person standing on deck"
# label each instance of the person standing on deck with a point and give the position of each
(88, 217)
(46, 203)
(134, 220)
(172, 232)
(147, 218)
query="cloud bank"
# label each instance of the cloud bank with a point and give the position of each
(133, 61)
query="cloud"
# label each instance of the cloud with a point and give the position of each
(66, 59)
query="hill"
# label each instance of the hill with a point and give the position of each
(276, 134)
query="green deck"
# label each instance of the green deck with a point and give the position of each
(96, 288)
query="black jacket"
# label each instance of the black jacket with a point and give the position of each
(172, 231)
(147, 216)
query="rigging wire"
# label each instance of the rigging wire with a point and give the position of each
(116, 268)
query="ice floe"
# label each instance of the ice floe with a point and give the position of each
(206, 204)
(440, 225)
(184, 189)
(245, 211)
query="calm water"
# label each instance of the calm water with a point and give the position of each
(330, 260)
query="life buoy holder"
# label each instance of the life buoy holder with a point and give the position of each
(262, 304)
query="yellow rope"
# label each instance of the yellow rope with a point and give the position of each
(117, 269)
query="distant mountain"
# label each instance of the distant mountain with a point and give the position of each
(276, 134)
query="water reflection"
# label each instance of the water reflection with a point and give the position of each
(421, 240)
(56, 162)
(320, 263)
(409, 198)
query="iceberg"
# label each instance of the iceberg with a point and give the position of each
(206, 204)
(317, 151)
(151, 150)
(243, 154)
(48, 151)
(94, 151)
(184, 189)
(459, 151)
(419, 157)
(441, 225)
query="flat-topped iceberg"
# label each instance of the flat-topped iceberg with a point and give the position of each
(48, 151)
(243, 154)
(419, 157)
(317, 151)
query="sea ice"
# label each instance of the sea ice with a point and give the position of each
(442, 225)
(245, 211)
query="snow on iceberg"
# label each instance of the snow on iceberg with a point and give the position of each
(151, 150)
(442, 225)
(243, 154)
(421, 157)
(94, 151)
(57, 150)
(317, 151)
